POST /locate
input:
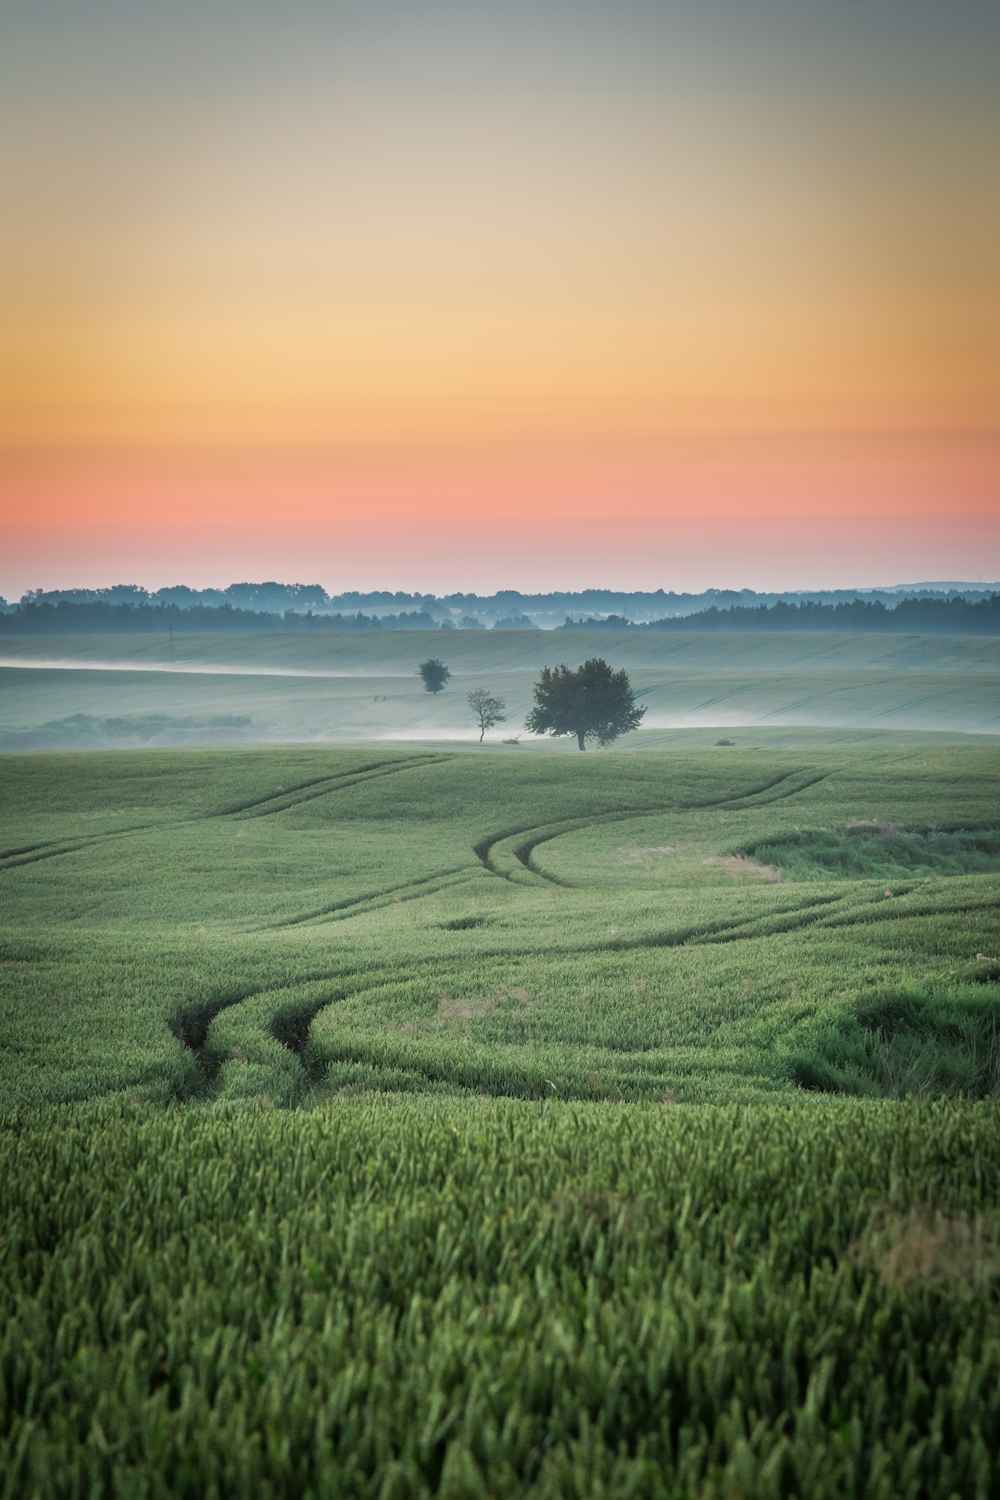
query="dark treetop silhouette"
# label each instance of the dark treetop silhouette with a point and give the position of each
(434, 673)
(593, 703)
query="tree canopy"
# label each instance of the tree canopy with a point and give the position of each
(434, 673)
(592, 702)
(486, 710)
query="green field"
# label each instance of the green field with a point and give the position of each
(799, 688)
(402, 1121)
(576, 926)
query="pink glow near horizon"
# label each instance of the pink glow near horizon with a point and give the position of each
(778, 515)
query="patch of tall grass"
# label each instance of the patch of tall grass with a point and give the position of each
(866, 851)
(909, 1044)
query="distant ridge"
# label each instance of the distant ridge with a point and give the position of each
(540, 611)
(127, 609)
(897, 588)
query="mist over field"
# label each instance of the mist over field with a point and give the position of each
(80, 692)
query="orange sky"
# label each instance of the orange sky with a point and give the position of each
(401, 295)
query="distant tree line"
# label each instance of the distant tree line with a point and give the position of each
(101, 618)
(953, 615)
(912, 616)
(507, 609)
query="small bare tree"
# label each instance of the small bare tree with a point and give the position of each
(486, 710)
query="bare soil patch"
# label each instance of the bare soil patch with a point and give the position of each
(954, 1252)
(451, 1008)
(740, 864)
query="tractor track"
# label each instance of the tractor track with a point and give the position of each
(372, 900)
(543, 833)
(323, 786)
(311, 790)
(292, 1027)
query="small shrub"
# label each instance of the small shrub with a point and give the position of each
(880, 851)
(944, 1045)
(434, 673)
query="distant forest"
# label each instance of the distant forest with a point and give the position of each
(98, 617)
(914, 616)
(129, 610)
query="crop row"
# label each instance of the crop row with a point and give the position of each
(415, 1298)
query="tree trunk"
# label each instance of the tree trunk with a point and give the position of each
(579, 735)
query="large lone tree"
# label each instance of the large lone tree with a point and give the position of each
(593, 703)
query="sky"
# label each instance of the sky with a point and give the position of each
(499, 294)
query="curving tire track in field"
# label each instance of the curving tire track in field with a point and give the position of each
(815, 913)
(817, 910)
(759, 797)
(29, 848)
(13, 859)
(352, 906)
(289, 794)
(544, 833)
(291, 1026)
(322, 786)
(319, 787)
(192, 1025)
